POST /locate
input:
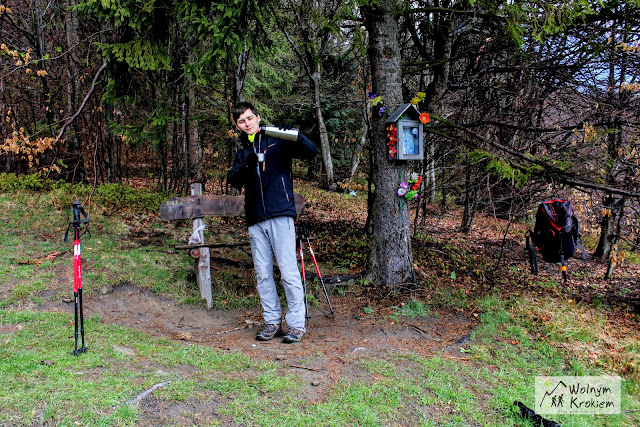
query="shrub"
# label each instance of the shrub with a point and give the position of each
(122, 197)
(10, 182)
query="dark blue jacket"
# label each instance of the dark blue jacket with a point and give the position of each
(269, 186)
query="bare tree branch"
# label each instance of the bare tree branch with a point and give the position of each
(550, 170)
(84, 103)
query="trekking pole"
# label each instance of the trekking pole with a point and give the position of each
(78, 213)
(315, 262)
(304, 278)
(563, 266)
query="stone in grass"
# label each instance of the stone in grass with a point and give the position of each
(124, 350)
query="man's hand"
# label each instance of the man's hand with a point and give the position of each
(252, 160)
(284, 126)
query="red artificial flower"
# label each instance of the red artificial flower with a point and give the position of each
(391, 139)
(425, 118)
(416, 185)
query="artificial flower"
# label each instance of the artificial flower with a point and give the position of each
(420, 96)
(417, 183)
(391, 139)
(391, 131)
(425, 118)
(409, 189)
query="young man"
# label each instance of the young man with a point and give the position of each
(263, 167)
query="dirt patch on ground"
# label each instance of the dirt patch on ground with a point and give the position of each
(330, 350)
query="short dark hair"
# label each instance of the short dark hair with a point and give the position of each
(241, 107)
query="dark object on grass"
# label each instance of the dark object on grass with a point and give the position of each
(536, 419)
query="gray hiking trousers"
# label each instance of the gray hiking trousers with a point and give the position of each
(277, 237)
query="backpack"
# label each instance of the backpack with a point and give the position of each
(556, 235)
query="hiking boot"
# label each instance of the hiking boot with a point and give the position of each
(268, 332)
(293, 335)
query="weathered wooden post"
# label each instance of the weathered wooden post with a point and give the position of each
(203, 260)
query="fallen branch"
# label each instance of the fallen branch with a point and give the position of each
(427, 333)
(304, 367)
(239, 328)
(213, 245)
(145, 393)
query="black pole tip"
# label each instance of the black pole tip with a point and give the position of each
(79, 351)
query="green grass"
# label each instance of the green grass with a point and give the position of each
(39, 375)
(507, 344)
(104, 260)
(414, 308)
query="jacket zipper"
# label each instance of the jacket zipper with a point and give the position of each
(257, 150)
(284, 187)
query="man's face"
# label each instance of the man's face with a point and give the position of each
(248, 122)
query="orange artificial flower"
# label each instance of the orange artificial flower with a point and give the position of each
(425, 118)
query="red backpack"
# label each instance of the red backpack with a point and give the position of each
(556, 235)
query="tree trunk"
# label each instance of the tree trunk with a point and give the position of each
(185, 141)
(612, 143)
(324, 137)
(391, 259)
(606, 227)
(195, 146)
(364, 131)
(469, 202)
(431, 171)
(109, 142)
(45, 97)
(74, 149)
(160, 136)
(239, 75)
(175, 154)
(233, 145)
(613, 257)
(112, 171)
